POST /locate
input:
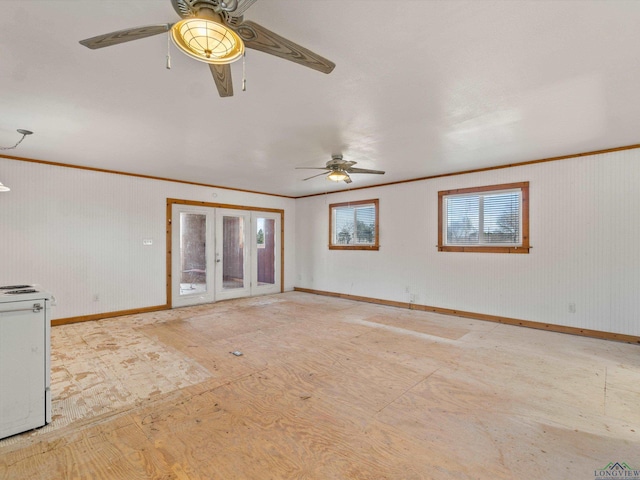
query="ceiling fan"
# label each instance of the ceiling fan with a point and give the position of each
(215, 32)
(340, 169)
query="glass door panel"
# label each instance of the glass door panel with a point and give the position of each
(193, 253)
(232, 254)
(266, 259)
(191, 240)
(266, 264)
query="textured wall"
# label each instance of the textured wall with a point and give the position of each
(584, 232)
(80, 233)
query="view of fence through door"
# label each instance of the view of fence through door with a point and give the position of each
(265, 246)
(217, 253)
(233, 245)
(232, 253)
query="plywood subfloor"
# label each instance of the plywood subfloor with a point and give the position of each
(328, 388)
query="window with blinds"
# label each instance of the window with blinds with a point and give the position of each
(485, 219)
(354, 225)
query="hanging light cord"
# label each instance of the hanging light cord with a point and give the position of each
(24, 134)
(244, 73)
(169, 50)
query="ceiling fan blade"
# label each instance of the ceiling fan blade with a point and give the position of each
(364, 170)
(259, 38)
(309, 178)
(222, 77)
(122, 36)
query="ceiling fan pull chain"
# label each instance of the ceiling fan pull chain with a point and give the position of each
(169, 50)
(244, 72)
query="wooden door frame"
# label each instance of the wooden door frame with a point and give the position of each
(177, 201)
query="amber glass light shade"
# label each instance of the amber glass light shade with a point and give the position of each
(207, 41)
(337, 176)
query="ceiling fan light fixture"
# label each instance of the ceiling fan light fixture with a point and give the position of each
(337, 176)
(207, 41)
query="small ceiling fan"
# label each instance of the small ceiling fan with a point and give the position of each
(339, 170)
(215, 32)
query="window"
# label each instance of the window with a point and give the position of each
(354, 225)
(493, 219)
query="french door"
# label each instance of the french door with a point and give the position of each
(233, 277)
(192, 244)
(220, 253)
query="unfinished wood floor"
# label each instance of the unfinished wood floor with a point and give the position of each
(328, 389)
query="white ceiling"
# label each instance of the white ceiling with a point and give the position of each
(420, 88)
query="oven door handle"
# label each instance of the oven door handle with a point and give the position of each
(37, 307)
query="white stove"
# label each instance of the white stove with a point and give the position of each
(20, 292)
(25, 358)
